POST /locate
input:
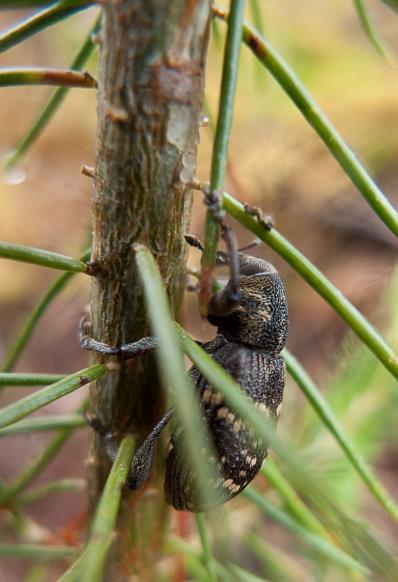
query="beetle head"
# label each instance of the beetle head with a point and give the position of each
(260, 317)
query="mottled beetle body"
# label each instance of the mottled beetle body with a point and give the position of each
(251, 318)
(247, 345)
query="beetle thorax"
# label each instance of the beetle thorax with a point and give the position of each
(260, 319)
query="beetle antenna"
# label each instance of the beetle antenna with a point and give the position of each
(193, 241)
(254, 243)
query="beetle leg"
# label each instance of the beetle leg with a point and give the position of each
(88, 343)
(222, 257)
(125, 351)
(142, 462)
(193, 241)
(265, 221)
(223, 302)
(142, 346)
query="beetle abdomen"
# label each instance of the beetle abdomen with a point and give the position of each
(237, 454)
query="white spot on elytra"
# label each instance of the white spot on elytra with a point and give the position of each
(237, 425)
(222, 412)
(251, 461)
(206, 396)
(217, 398)
(262, 407)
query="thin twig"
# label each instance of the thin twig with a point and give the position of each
(27, 254)
(33, 76)
(39, 21)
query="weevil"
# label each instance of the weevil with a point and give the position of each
(250, 314)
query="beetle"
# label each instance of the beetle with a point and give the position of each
(251, 317)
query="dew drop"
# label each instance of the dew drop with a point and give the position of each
(12, 173)
(14, 176)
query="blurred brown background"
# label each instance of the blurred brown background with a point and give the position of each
(278, 163)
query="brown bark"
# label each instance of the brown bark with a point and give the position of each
(150, 98)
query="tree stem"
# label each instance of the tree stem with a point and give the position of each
(149, 101)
